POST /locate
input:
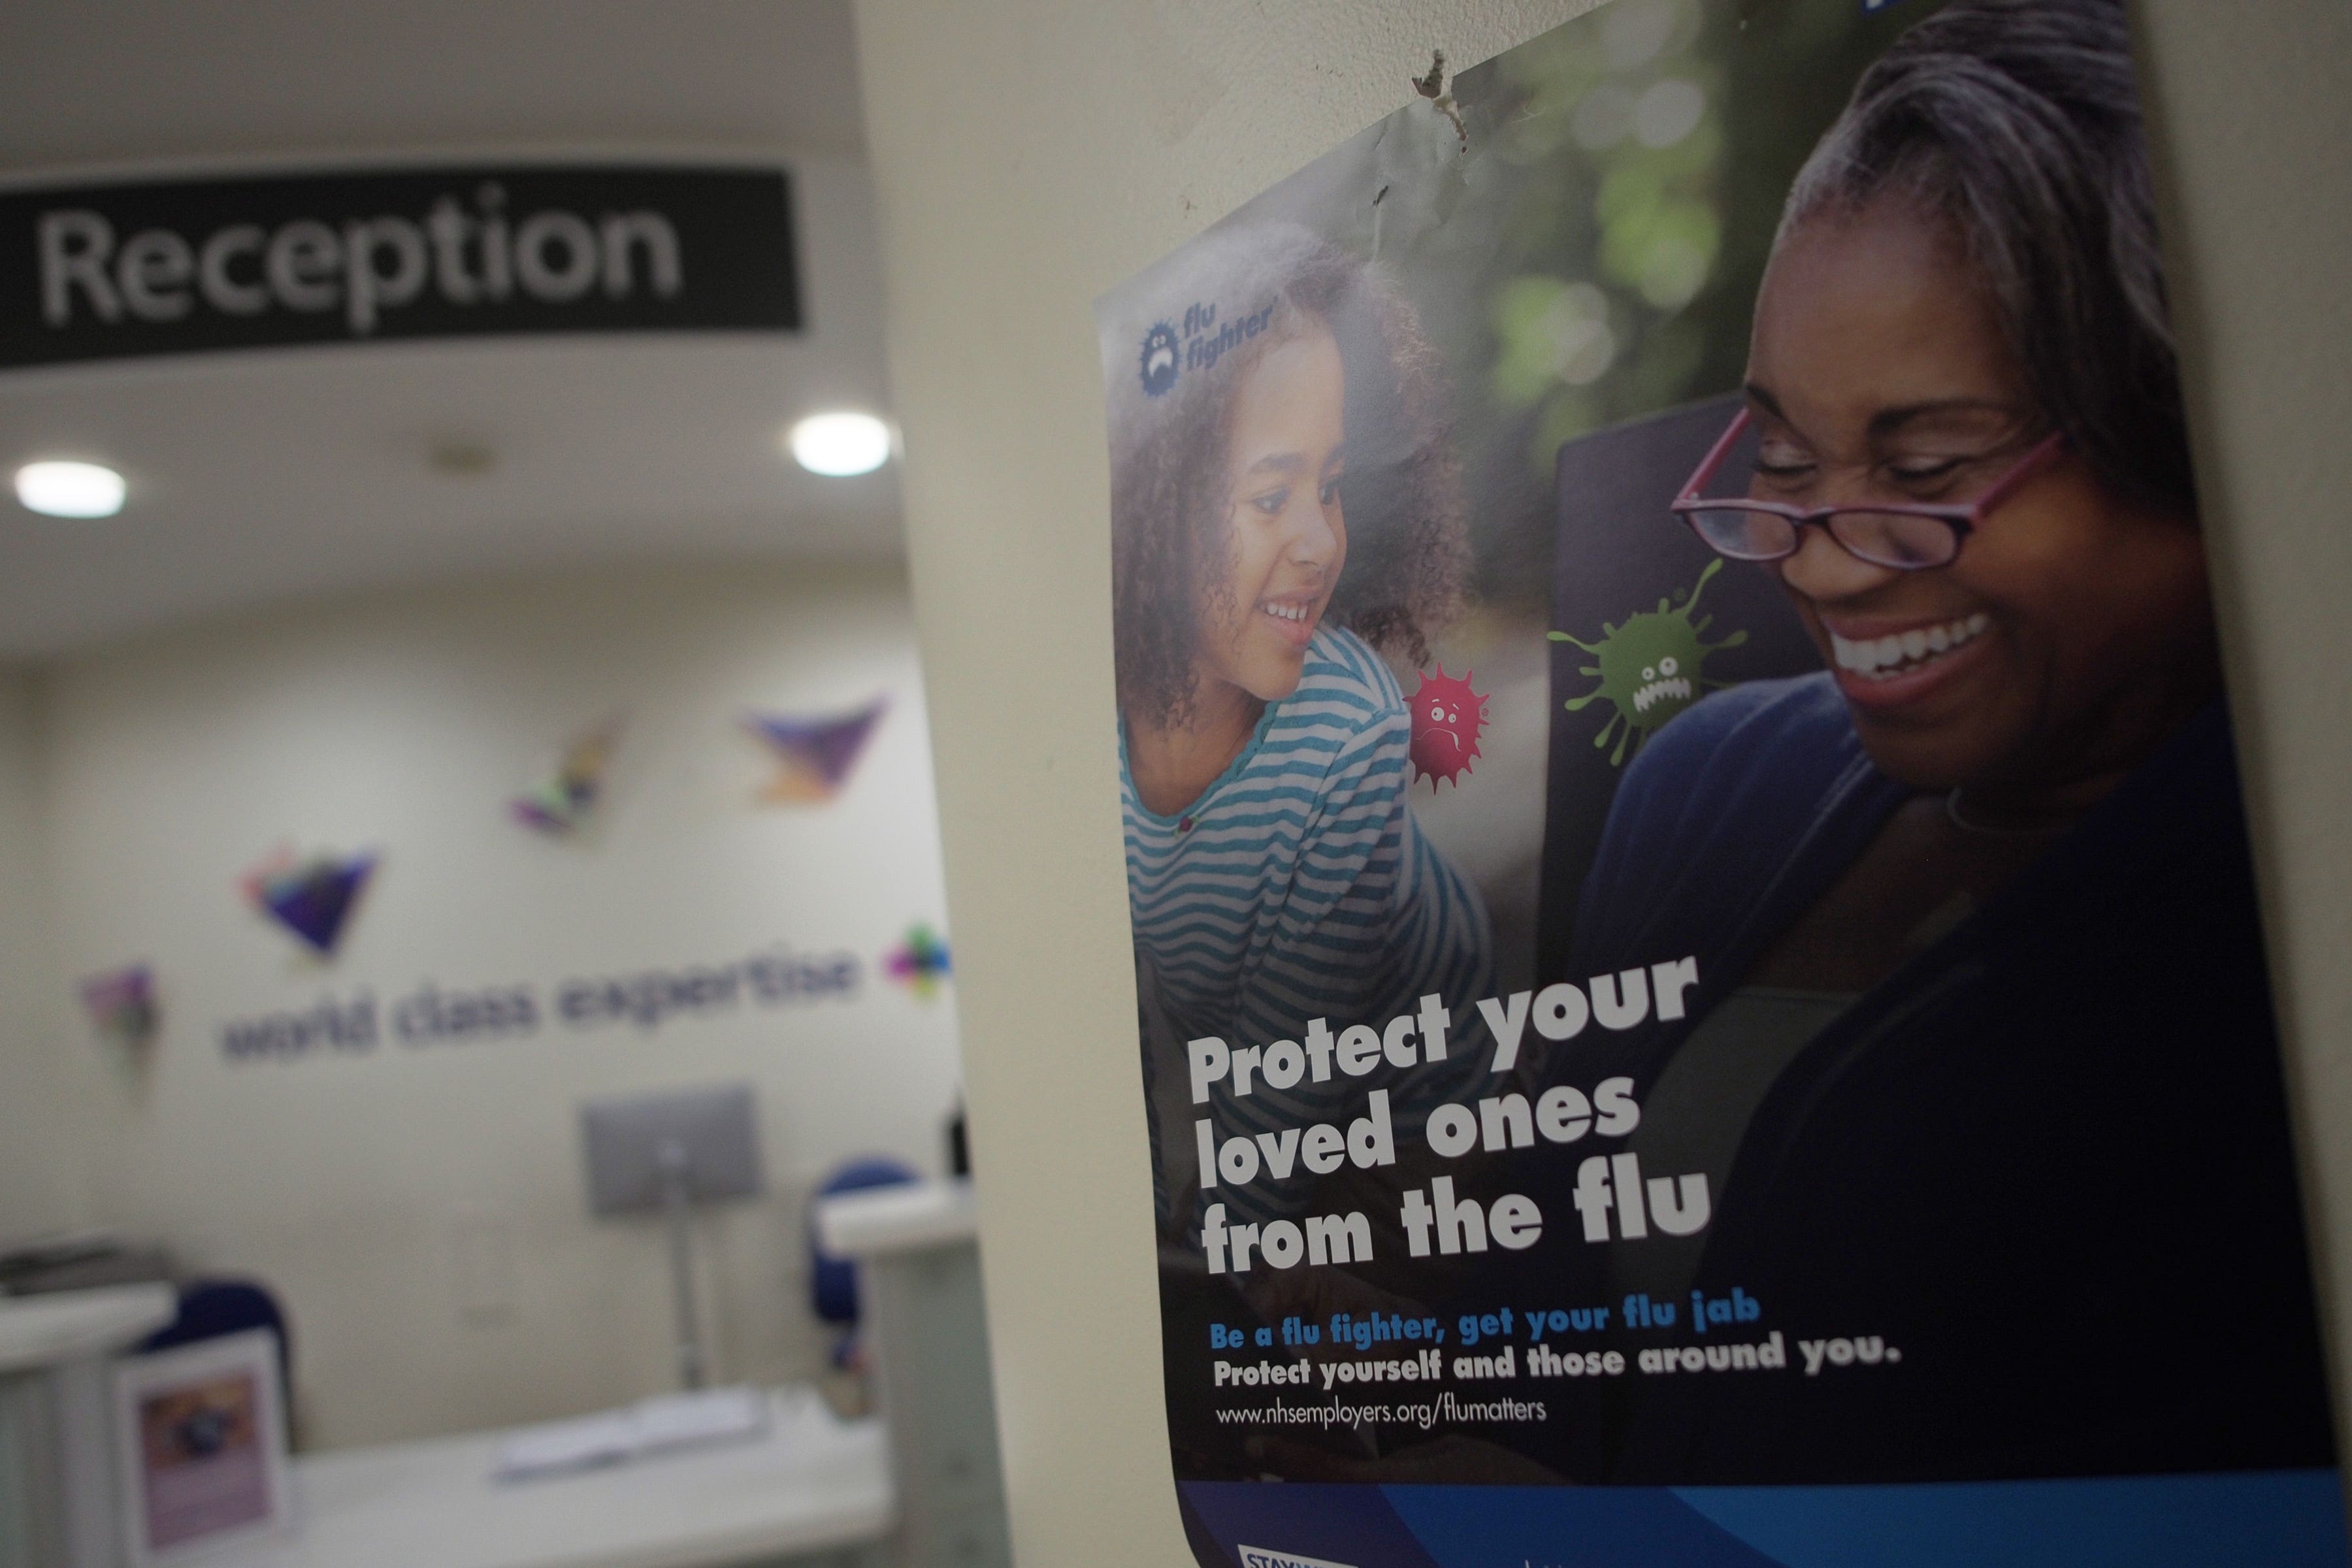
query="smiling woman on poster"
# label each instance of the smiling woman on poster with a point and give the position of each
(1995, 854)
(1285, 512)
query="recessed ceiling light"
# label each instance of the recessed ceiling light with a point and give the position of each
(70, 490)
(840, 445)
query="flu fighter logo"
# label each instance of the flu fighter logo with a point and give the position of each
(1447, 719)
(1158, 358)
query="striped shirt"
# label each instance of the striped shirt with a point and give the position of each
(1299, 886)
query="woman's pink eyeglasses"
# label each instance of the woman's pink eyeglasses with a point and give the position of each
(1901, 536)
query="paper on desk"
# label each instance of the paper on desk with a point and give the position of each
(685, 1420)
(658, 1425)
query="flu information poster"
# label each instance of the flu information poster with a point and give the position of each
(1700, 991)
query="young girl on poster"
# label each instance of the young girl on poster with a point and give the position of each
(1285, 512)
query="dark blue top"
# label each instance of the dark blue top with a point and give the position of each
(1729, 824)
(2048, 1161)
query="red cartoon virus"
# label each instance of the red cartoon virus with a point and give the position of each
(1447, 719)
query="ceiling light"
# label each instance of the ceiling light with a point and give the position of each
(70, 490)
(839, 444)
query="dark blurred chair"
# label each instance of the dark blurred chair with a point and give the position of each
(1617, 553)
(215, 1308)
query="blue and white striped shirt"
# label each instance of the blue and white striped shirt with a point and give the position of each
(1300, 886)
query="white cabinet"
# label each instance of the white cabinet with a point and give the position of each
(919, 1285)
(57, 1450)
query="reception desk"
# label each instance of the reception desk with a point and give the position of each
(814, 1492)
(56, 1444)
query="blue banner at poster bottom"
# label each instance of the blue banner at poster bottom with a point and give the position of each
(2280, 1519)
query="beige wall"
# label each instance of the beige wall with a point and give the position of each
(2254, 128)
(40, 1176)
(420, 1208)
(1029, 154)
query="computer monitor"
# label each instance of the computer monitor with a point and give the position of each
(669, 1150)
(712, 1131)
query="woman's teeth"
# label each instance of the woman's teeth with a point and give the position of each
(1285, 612)
(1880, 658)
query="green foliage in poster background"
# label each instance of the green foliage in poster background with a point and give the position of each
(1595, 255)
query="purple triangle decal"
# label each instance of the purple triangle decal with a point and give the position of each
(314, 899)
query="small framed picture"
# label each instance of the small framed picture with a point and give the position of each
(200, 1435)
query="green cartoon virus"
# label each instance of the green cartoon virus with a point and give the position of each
(1650, 668)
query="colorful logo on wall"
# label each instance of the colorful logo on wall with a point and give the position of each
(815, 756)
(919, 963)
(123, 1007)
(1447, 719)
(562, 803)
(314, 898)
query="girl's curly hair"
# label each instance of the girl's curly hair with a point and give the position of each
(1171, 532)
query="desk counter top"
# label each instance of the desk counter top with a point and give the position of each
(876, 1220)
(813, 1482)
(41, 1331)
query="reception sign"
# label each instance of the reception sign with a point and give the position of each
(1700, 991)
(180, 266)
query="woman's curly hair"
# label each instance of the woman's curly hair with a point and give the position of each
(1172, 538)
